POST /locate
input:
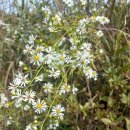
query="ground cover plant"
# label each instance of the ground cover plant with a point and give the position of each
(65, 65)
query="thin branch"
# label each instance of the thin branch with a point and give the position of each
(112, 29)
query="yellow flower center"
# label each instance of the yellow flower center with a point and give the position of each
(87, 69)
(93, 18)
(39, 106)
(39, 49)
(47, 87)
(82, 62)
(56, 18)
(51, 29)
(58, 111)
(104, 19)
(61, 58)
(67, 88)
(36, 57)
(14, 94)
(94, 73)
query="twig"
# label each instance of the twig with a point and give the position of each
(89, 91)
(112, 8)
(112, 29)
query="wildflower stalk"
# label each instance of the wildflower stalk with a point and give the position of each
(38, 71)
(89, 91)
(53, 101)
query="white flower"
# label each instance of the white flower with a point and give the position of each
(80, 30)
(13, 87)
(103, 20)
(21, 63)
(39, 78)
(39, 106)
(39, 48)
(21, 79)
(83, 58)
(28, 49)
(56, 19)
(53, 125)
(50, 51)
(57, 111)
(54, 73)
(73, 47)
(31, 39)
(94, 9)
(35, 127)
(101, 51)
(3, 100)
(51, 55)
(84, 2)
(99, 33)
(37, 58)
(65, 89)
(29, 96)
(29, 127)
(17, 79)
(61, 58)
(69, 3)
(86, 46)
(93, 19)
(26, 107)
(46, 10)
(9, 121)
(17, 104)
(18, 97)
(89, 73)
(68, 59)
(52, 29)
(2, 23)
(83, 22)
(74, 90)
(47, 87)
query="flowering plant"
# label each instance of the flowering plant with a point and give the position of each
(57, 67)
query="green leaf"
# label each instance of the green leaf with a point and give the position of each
(128, 124)
(124, 98)
(106, 121)
(110, 101)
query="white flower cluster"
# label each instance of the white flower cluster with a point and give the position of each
(53, 125)
(9, 121)
(20, 81)
(46, 10)
(99, 33)
(2, 23)
(3, 101)
(31, 39)
(55, 59)
(69, 3)
(102, 20)
(84, 2)
(31, 127)
(81, 28)
(35, 90)
(51, 19)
